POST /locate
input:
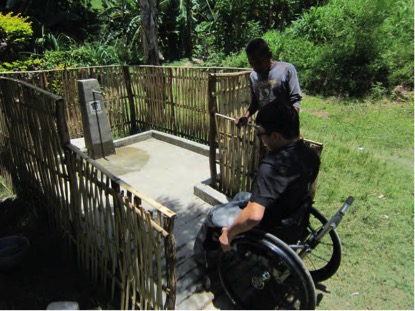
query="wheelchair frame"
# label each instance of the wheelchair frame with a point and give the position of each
(263, 272)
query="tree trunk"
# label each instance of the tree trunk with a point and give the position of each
(188, 33)
(149, 31)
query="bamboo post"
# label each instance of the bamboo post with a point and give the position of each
(133, 119)
(61, 122)
(172, 116)
(212, 130)
(170, 253)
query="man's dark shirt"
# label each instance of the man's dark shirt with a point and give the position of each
(283, 180)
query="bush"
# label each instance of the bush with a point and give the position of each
(345, 47)
(21, 65)
(236, 60)
(16, 32)
(87, 55)
(397, 53)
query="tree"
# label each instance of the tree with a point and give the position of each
(149, 32)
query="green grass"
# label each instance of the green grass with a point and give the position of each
(368, 153)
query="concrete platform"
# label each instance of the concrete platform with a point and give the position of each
(171, 170)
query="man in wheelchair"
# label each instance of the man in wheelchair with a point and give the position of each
(279, 202)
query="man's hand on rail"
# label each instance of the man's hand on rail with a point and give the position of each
(241, 121)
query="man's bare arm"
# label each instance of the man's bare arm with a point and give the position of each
(249, 217)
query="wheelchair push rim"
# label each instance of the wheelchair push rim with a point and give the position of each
(264, 273)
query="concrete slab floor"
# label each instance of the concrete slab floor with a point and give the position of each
(167, 169)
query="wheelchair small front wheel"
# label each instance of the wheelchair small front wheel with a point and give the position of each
(264, 273)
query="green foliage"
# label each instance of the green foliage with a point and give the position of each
(86, 55)
(232, 27)
(50, 42)
(77, 19)
(171, 22)
(236, 60)
(21, 65)
(397, 53)
(16, 32)
(225, 26)
(344, 48)
(120, 31)
(340, 47)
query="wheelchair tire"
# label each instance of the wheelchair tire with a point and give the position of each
(262, 272)
(324, 260)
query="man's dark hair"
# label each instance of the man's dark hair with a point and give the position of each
(257, 46)
(281, 118)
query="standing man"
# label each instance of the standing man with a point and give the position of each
(271, 81)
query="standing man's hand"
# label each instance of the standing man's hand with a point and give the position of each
(225, 240)
(241, 121)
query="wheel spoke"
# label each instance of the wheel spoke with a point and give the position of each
(254, 277)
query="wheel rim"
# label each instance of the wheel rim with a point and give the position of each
(254, 277)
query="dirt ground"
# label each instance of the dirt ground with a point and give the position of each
(46, 274)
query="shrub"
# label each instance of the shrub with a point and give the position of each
(86, 55)
(21, 65)
(16, 31)
(345, 47)
(397, 53)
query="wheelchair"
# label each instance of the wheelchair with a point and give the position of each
(263, 272)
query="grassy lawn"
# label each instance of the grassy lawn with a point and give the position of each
(368, 153)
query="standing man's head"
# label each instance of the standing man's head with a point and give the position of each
(259, 55)
(278, 125)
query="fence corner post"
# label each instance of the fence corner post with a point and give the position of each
(212, 128)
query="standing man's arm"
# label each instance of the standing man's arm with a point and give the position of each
(249, 217)
(294, 88)
(252, 109)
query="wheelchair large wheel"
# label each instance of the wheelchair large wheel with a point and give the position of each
(262, 272)
(324, 260)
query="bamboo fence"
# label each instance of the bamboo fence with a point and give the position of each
(178, 100)
(239, 154)
(119, 243)
(239, 150)
(138, 98)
